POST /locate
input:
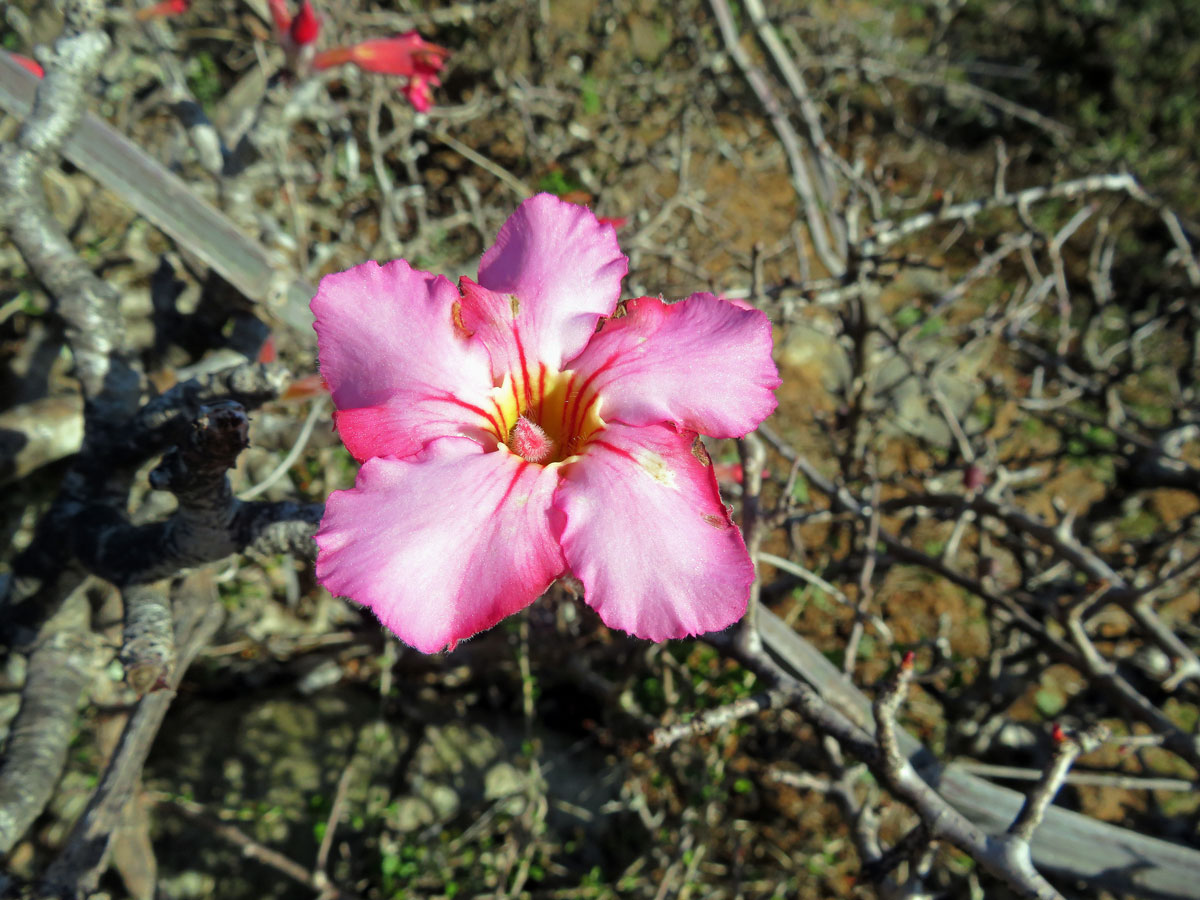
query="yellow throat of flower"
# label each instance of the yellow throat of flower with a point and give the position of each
(547, 418)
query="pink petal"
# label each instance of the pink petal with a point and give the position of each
(400, 372)
(552, 273)
(702, 364)
(444, 544)
(647, 534)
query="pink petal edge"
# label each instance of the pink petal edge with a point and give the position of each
(399, 372)
(563, 267)
(443, 545)
(644, 529)
(702, 364)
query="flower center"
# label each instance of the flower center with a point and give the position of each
(547, 418)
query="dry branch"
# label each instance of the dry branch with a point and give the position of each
(78, 867)
(61, 666)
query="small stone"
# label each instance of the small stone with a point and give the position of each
(411, 813)
(502, 780)
(444, 800)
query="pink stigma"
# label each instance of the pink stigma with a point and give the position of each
(529, 441)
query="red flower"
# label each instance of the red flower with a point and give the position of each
(408, 55)
(295, 34)
(162, 10)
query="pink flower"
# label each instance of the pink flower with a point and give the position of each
(408, 55)
(506, 442)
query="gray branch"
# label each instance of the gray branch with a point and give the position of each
(60, 668)
(148, 650)
(78, 868)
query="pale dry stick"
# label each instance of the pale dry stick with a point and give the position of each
(77, 869)
(64, 654)
(924, 375)
(810, 577)
(819, 226)
(1186, 663)
(1100, 263)
(1186, 255)
(887, 233)
(1059, 538)
(754, 456)
(863, 819)
(768, 34)
(295, 206)
(779, 54)
(985, 266)
(1002, 163)
(1068, 548)
(1054, 251)
(1105, 671)
(866, 587)
(310, 422)
(712, 719)
(320, 872)
(86, 304)
(502, 174)
(877, 865)
(1093, 779)
(202, 134)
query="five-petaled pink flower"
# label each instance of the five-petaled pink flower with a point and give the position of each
(507, 441)
(408, 55)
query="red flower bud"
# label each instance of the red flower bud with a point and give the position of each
(306, 27)
(974, 477)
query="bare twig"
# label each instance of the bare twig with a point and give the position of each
(711, 720)
(148, 652)
(887, 234)
(822, 221)
(1067, 749)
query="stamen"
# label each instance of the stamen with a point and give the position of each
(529, 441)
